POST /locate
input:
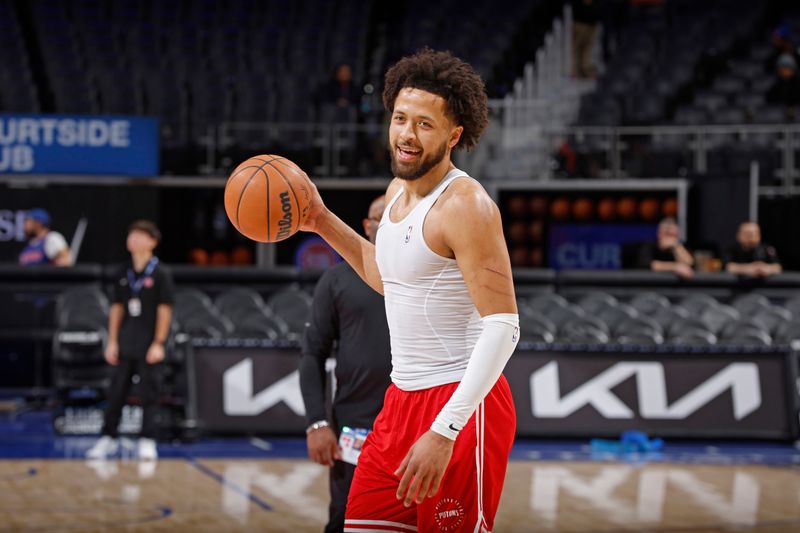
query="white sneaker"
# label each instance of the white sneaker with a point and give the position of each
(103, 448)
(147, 450)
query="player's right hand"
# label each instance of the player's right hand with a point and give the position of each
(112, 353)
(323, 448)
(316, 208)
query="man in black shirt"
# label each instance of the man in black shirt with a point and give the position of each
(138, 325)
(667, 254)
(749, 256)
(348, 313)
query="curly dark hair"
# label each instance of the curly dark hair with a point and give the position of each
(445, 75)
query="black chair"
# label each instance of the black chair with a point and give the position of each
(733, 329)
(596, 301)
(683, 325)
(787, 332)
(186, 297)
(639, 324)
(750, 303)
(640, 338)
(718, 316)
(294, 307)
(666, 316)
(770, 318)
(560, 315)
(543, 303)
(693, 337)
(696, 304)
(748, 338)
(648, 303)
(613, 316)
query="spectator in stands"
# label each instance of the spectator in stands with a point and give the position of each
(45, 247)
(667, 254)
(585, 16)
(751, 257)
(340, 91)
(138, 326)
(786, 90)
(348, 312)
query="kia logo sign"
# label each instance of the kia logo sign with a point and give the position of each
(742, 379)
(239, 400)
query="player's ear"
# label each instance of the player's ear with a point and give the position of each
(455, 136)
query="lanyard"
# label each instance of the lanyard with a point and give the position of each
(136, 283)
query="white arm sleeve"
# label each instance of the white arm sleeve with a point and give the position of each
(495, 345)
(54, 242)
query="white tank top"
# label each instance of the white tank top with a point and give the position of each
(433, 323)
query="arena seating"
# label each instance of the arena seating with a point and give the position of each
(649, 318)
(643, 318)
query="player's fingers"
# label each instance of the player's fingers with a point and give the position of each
(437, 480)
(424, 487)
(333, 449)
(403, 466)
(412, 490)
(402, 488)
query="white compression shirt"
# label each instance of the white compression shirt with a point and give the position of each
(433, 323)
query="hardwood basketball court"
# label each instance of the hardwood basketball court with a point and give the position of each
(251, 494)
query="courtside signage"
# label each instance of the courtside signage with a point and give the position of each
(78, 144)
(557, 393)
(603, 393)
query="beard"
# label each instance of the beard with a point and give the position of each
(413, 171)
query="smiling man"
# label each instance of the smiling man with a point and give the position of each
(437, 455)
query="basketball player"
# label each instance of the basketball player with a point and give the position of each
(348, 312)
(138, 325)
(437, 456)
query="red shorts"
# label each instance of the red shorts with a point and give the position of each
(470, 491)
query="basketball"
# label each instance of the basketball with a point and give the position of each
(560, 209)
(267, 198)
(583, 209)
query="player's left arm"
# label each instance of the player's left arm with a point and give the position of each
(478, 245)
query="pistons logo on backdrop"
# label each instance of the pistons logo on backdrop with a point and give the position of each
(408, 234)
(148, 282)
(449, 514)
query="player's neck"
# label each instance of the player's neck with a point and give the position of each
(425, 184)
(140, 259)
(41, 234)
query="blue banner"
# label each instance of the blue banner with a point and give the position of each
(71, 144)
(594, 247)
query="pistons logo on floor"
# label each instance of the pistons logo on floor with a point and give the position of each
(449, 514)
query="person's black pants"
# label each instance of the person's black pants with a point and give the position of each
(118, 393)
(341, 477)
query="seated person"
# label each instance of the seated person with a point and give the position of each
(786, 89)
(45, 247)
(749, 256)
(667, 254)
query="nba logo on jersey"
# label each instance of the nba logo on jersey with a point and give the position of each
(515, 336)
(408, 235)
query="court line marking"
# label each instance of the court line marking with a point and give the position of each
(30, 472)
(228, 485)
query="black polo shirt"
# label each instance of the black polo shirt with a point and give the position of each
(347, 317)
(763, 252)
(136, 333)
(649, 252)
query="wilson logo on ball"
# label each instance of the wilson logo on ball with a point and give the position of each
(285, 224)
